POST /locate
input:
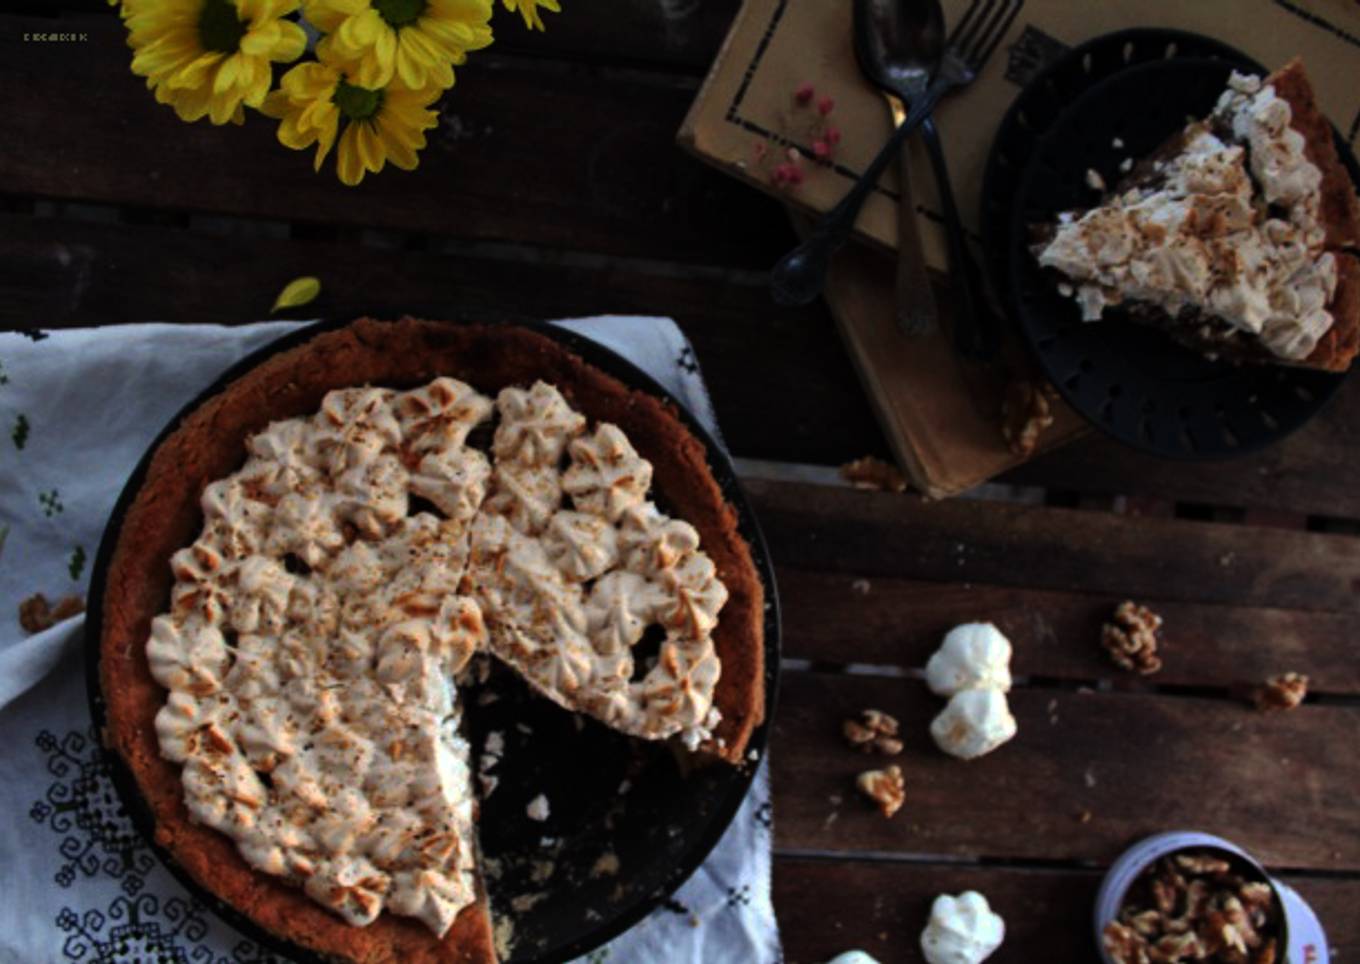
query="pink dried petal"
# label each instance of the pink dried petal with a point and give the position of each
(821, 150)
(826, 105)
(832, 135)
(803, 93)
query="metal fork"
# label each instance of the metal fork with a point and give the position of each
(967, 51)
(801, 275)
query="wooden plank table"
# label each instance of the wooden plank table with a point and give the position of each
(552, 188)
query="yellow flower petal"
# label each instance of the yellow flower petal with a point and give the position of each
(347, 162)
(275, 104)
(227, 72)
(223, 109)
(298, 292)
(325, 140)
(370, 149)
(398, 145)
(290, 45)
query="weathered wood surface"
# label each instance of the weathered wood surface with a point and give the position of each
(1138, 763)
(828, 906)
(838, 618)
(64, 273)
(525, 153)
(872, 534)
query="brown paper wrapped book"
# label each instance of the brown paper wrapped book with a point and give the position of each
(942, 417)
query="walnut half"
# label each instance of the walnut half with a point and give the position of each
(1131, 638)
(872, 473)
(1282, 692)
(1026, 411)
(885, 787)
(874, 731)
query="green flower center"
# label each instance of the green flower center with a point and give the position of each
(220, 27)
(398, 13)
(356, 103)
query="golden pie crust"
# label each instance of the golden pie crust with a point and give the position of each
(209, 444)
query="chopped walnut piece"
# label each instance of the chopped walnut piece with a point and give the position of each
(1124, 944)
(1131, 638)
(1282, 692)
(1196, 906)
(872, 473)
(37, 614)
(1025, 412)
(874, 731)
(1202, 864)
(885, 787)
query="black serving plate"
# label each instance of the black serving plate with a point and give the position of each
(644, 803)
(1131, 381)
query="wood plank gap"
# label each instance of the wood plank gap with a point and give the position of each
(937, 860)
(238, 225)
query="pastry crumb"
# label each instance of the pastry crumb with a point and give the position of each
(37, 614)
(503, 936)
(538, 808)
(1093, 179)
(525, 902)
(607, 865)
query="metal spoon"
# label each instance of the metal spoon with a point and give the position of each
(801, 275)
(893, 66)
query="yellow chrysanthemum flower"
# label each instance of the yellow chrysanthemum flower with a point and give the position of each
(380, 124)
(528, 9)
(211, 56)
(417, 42)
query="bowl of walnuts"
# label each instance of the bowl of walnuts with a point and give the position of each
(1189, 896)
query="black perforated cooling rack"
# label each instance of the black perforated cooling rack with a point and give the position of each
(1133, 382)
(643, 803)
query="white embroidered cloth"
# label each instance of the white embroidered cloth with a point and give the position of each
(77, 410)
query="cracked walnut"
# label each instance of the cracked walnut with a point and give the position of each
(1131, 638)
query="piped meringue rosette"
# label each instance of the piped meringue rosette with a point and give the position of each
(319, 623)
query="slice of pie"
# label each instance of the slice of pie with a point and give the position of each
(286, 690)
(1236, 236)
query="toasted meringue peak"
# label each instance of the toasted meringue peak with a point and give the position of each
(535, 427)
(606, 476)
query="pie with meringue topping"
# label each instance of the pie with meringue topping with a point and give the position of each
(284, 640)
